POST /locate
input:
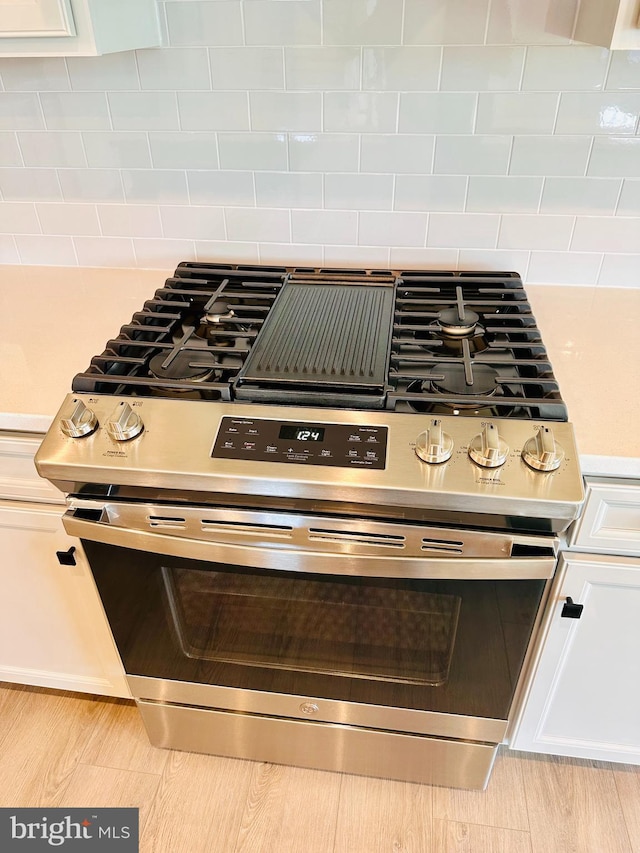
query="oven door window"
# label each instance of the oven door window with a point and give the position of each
(440, 645)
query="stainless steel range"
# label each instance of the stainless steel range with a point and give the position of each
(321, 508)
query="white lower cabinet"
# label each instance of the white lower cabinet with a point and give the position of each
(53, 632)
(584, 696)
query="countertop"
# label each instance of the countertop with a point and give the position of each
(54, 319)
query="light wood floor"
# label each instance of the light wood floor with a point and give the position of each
(64, 749)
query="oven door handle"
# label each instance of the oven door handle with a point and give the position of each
(310, 561)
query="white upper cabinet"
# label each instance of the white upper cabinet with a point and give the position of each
(77, 27)
(612, 23)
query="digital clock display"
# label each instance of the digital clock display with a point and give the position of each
(302, 432)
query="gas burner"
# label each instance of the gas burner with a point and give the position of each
(457, 322)
(184, 365)
(479, 380)
(435, 336)
(217, 311)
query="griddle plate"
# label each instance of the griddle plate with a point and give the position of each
(324, 336)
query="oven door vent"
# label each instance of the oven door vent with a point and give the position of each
(249, 528)
(380, 540)
(442, 546)
(167, 522)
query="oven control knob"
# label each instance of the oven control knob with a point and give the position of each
(433, 445)
(488, 449)
(542, 451)
(125, 424)
(82, 421)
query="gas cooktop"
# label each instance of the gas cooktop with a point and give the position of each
(447, 343)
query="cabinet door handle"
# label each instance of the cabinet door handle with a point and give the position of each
(571, 610)
(67, 558)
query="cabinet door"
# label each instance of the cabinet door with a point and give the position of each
(53, 632)
(36, 18)
(584, 696)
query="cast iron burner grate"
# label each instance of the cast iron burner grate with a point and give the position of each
(448, 342)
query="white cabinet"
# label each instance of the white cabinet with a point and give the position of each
(612, 23)
(584, 691)
(53, 631)
(77, 27)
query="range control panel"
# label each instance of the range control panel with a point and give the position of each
(337, 445)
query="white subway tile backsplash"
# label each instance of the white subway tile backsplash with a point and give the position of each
(359, 192)
(445, 21)
(324, 226)
(629, 203)
(624, 70)
(454, 230)
(367, 112)
(294, 22)
(621, 270)
(550, 155)
(98, 73)
(605, 233)
(66, 218)
(473, 69)
(399, 153)
(51, 148)
(45, 250)
(19, 218)
(258, 225)
(487, 259)
(91, 184)
(437, 112)
(398, 69)
(143, 110)
(524, 231)
(516, 112)
(30, 185)
(429, 258)
(430, 192)
(20, 111)
(324, 68)
(598, 112)
(127, 150)
(183, 150)
(280, 111)
(472, 155)
(129, 220)
(213, 110)
(155, 186)
(392, 229)
(580, 195)
(175, 69)
(10, 150)
(34, 74)
(323, 152)
(216, 187)
(247, 68)
(253, 151)
(500, 194)
(75, 110)
(362, 22)
(288, 189)
(205, 23)
(568, 267)
(615, 157)
(560, 68)
(191, 222)
(162, 254)
(320, 131)
(104, 252)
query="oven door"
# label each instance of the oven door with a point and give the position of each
(393, 626)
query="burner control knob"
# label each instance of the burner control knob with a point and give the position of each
(82, 421)
(433, 445)
(488, 449)
(124, 424)
(542, 451)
